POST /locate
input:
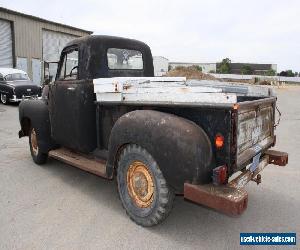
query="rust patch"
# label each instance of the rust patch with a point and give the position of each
(229, 200)
(140, 184)
(81, 161)
(277, 157)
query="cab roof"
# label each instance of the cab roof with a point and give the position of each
(106, 40)
(8, 71)
(93, 56)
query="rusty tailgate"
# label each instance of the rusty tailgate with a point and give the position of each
(255, 128)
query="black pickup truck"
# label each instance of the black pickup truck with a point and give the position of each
(106, 113)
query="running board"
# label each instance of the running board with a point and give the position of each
(95, 166)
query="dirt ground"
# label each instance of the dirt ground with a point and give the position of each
(189, 73)
(60, 207)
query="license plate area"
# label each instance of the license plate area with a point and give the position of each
(255, 159)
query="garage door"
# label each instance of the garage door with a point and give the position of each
(6, 57)
(53, 43)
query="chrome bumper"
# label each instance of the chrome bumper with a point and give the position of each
(32, 97)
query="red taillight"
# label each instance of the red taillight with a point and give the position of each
(220, 175)
(219, 141)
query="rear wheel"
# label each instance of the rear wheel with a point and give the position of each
(37, 156)
(143, 190)
(4, 99)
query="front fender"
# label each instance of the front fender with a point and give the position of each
(181, 148)
(34, 113)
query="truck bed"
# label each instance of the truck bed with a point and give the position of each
(174, 91)
(244, 114)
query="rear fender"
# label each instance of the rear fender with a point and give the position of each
(181, 148)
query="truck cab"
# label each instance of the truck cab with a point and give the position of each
(106, 113)
(71, 96)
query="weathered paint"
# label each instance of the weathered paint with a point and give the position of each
(157, 90)
(277, 157)
(225, 199)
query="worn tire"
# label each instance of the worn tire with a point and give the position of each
(162, 195)
(36, 154)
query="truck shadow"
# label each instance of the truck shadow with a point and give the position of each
(184, 215)
(187, 221)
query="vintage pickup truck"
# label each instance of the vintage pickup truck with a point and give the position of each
(106, 113)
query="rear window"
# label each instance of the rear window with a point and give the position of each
(16, 77)
(124, 59)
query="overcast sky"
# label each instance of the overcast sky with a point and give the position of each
(259, 31)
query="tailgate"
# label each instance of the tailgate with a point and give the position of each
(255, 128)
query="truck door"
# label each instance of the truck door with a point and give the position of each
(71, 105)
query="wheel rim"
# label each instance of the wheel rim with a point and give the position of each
(33, 140)
(3, 98)
(140, 184)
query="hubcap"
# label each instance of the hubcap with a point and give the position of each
(140, 184)
(3, 98)
(34, 145)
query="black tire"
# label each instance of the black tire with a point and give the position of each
(36, 154)
(162, 197)
(4, 99)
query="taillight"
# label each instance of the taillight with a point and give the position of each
(220, 175)
(219, 141)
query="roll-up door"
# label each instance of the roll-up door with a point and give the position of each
(6, 55)
(53, 43)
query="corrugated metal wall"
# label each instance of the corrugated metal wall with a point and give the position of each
(28, 38)
(6, 54)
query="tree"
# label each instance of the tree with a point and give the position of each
(290, 73)
(283, 73)
(271, 72)
(224, 66)
(246, 70)
(197, 67)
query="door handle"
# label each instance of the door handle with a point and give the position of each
(71, 88)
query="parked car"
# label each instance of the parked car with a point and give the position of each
(15, 85)
(106, 113)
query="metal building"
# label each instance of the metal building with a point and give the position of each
(26, 41)
(161, 65)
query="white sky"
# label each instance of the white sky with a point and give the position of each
(261, 31)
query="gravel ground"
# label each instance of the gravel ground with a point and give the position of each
(61, 207)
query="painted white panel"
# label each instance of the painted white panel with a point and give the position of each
(22, 64)
(158, 90)
(6, 56)
(36, 71)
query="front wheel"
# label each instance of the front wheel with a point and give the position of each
(4, 99)
(143, 190)
(37, 156)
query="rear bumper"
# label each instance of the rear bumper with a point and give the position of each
(232, 199)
